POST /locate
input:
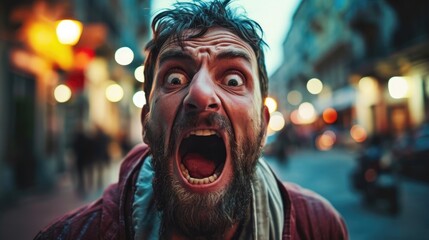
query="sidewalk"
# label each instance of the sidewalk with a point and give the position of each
(29, 214)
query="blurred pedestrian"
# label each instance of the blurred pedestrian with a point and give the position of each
(101, 155)
(82, 154)
(124, 142)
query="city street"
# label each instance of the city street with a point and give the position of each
(324, 172)
(341, 88)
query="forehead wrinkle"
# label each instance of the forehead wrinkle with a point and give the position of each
(219, 53)
(215, 45)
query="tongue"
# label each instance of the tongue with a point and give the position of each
(198, 166)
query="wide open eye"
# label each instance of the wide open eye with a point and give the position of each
(177, 78)
(233, 80)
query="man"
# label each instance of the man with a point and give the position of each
(200, 175)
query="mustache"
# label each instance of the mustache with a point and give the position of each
(192, 120)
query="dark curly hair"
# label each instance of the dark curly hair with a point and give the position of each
(200, 16)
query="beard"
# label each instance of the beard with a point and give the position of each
(202, 215)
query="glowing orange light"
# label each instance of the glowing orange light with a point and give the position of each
(329, 115)
(326, 141)
(294, 118)
(358, 133)
(83, 57)
(42, 39)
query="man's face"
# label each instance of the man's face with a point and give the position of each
(205, 123)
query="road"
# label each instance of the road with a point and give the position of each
(328, 174)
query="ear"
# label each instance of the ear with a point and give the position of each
(143, 116)
(265, 120)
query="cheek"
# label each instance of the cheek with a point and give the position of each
(245, 116)
(162, 114)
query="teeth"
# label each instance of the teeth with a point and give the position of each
(202, 132)
(197, 181)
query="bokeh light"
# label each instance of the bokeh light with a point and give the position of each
(314, 86)
(305, 114)
(358, 133)
(62, 93)
(306, 111)
(329, 115)
(114, 92)
(69, 31)
(326, 140)
(294, 97)
(138, 74)
(271, 103)
(43, 40)
(139, 99)
(367, 84)
(124, 56)
(398, 87)
(294, 117)
(277, 121)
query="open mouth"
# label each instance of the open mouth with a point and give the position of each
(202, 156)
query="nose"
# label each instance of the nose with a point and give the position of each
(202, 95)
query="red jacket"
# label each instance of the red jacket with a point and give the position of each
(306, 215)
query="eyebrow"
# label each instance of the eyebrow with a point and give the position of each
(231, 54)
(174, 54)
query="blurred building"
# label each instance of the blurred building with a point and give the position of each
(372, 58)
(37, 118)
